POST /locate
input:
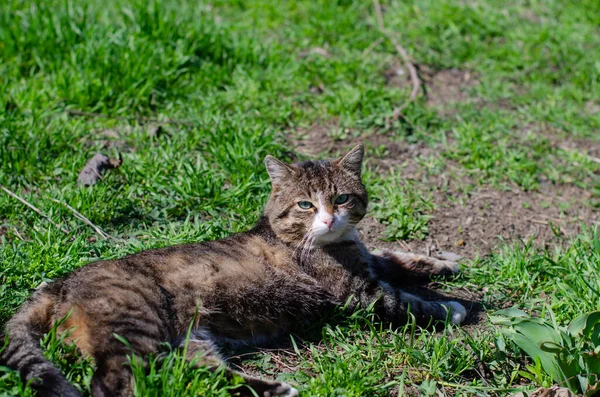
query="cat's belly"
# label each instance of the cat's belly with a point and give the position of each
(243, 337)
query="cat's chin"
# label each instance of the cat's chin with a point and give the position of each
(336, 236)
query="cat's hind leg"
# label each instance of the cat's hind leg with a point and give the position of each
(400, 305)
(201, 351)
(438, 310)
(113, 376)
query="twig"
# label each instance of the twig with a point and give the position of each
(62, 229)
(85, 220)
(539, 222)
(405, 246)
(18, 234)
(414, 77)
(131, 118)
(370, 48)
(480, 366)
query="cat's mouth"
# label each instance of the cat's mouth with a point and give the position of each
(337, 232)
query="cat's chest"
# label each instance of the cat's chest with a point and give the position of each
(338, 264)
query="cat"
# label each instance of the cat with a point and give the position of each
(301, 258)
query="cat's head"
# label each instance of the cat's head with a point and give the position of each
(320, 200)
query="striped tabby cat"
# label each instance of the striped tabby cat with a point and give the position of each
(302, 257)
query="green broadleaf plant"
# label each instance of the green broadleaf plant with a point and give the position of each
(569, 355)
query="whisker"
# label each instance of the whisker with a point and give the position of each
(307, 247)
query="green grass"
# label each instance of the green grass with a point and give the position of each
(240, 75)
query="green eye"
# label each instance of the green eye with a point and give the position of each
(305, 205)
(341, 199)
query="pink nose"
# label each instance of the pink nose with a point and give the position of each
(328, 222)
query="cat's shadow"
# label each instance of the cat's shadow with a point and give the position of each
(313, 333)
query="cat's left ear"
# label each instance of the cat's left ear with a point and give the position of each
(353, 160)
(278, 170)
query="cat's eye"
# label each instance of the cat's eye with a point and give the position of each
(305, 205)
(341, 199)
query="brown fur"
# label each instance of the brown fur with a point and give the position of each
(248, 288)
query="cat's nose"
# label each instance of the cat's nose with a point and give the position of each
(328, 222)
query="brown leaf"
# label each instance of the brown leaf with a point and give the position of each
(155, 130)
(95, 168)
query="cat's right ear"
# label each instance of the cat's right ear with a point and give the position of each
(278, 170)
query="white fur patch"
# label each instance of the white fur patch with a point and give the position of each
(458, 312)
(320, 230)
(285, 390)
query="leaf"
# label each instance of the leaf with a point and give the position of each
(95, 167)
(511, 312)
(531, 347)
(122, 340)
(583, 325)
(551, 347)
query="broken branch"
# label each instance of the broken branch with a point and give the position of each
(412, 70)
(34, 208)
(85, 220)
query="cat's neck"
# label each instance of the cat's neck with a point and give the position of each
(263, 229)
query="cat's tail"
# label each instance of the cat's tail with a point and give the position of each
(20, 344)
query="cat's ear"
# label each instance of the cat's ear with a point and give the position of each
(278, 170)
(353, 160)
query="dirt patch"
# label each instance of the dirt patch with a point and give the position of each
(442, 88)
(313, 141)
(592, 107)
(474, 224)
(560, 139)
(471, 224)
(449, 86)
(383, 151)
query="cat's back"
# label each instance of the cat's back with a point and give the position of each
(239, 257)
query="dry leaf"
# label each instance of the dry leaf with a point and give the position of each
(95, 168)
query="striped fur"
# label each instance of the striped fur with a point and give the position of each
(298, 261)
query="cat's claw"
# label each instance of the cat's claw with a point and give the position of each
(458, 314)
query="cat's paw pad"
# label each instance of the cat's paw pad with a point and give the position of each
(283, 390)
(458, 312)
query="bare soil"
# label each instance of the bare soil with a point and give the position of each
(441, 88)
(469, 224)
(469, 221)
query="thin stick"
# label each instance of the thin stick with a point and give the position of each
(85, 220)
(539, 222)
(138, 119)
(371, 47)
(33, 207)
(18, 234)
(412, 70)
(480, 367)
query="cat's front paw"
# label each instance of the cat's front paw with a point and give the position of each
(284, 390)
(458, 313)
(447, 262)
(448, 268)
